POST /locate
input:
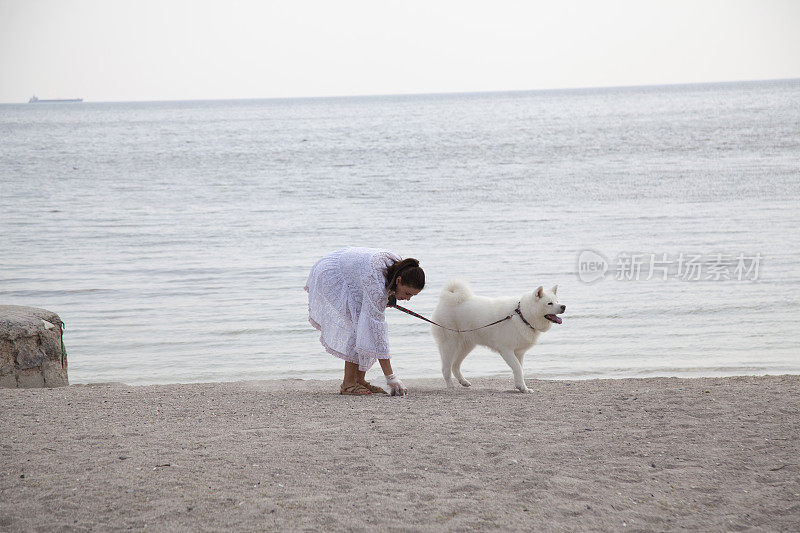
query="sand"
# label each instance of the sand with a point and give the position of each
(711, 454)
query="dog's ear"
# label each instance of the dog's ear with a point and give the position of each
(539, 292)
(555, 289)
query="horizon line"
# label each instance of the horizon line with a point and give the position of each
(443, 93)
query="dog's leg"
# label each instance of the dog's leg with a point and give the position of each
(446, 349)
(516, 367)
(457, 360)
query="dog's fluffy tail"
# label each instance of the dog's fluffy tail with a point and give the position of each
(455, 292)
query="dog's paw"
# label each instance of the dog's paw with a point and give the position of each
(523, 388)
(464, 382)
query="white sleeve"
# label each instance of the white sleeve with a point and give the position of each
(372, 333)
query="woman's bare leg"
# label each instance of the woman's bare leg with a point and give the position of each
(351, 374)
(363, 379)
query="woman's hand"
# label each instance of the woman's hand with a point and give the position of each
(396, 386)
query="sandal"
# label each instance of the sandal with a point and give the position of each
(374, 388)
(357, 389)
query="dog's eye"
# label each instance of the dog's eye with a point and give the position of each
(549, 303)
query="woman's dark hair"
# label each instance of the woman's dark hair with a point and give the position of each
(409, 270)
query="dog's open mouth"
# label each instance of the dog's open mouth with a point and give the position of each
(553, 318)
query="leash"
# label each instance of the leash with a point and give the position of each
(412, 313)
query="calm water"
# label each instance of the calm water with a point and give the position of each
(174, 239)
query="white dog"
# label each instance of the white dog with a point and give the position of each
(460, 309)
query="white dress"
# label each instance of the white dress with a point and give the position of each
(347, 299)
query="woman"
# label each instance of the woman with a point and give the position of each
(348, 292)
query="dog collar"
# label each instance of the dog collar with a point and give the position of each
(522, 317)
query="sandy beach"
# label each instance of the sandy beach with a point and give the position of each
(711, 454)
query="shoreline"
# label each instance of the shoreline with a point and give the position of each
(713, 453)
(377, 379)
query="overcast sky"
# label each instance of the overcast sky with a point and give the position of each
(169, 50)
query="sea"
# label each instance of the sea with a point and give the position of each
(174, 238)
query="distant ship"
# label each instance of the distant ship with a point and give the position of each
(35, 100)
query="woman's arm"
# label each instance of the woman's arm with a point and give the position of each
(386, 366)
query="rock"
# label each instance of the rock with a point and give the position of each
(32, 352)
